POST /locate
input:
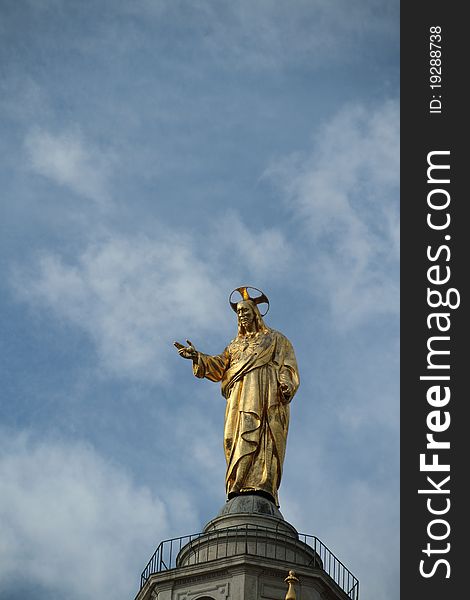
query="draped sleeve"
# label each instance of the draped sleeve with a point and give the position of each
(288, 370)
(211, 367)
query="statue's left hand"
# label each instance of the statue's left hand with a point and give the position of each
(286, 391)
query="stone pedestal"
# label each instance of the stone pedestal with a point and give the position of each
(244, 553)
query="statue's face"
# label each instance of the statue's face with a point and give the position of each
(246, 314)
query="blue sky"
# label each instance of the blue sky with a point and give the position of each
(156, 155)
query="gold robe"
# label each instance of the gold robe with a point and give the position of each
(251, 370)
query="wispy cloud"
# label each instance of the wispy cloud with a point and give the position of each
(272, 34)
(127, 293)
(256, 249)
(372, 517)
(69, 160)
(345, 195)
(116, 126)
(348, 512)
(73, 521)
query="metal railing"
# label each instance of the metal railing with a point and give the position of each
(302, 550)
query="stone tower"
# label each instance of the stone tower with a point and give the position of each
(245, 553)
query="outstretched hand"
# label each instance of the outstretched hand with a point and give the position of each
(188, 351)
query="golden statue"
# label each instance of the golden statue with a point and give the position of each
(259, 376)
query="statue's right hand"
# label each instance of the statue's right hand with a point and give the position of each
(188, 351)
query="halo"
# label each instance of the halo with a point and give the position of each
(245, 295)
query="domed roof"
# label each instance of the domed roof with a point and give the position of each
(251, 504)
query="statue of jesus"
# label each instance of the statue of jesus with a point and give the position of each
(259, 376)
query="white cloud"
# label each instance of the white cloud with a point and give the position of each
(73, 522)
(346, 197)
(127, 294)
(352, 514)
(132, 295)
(257, 250)
(70, 161)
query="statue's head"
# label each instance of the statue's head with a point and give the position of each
(249, 317)
(248, 313)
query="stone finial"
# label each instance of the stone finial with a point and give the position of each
(291, 580)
